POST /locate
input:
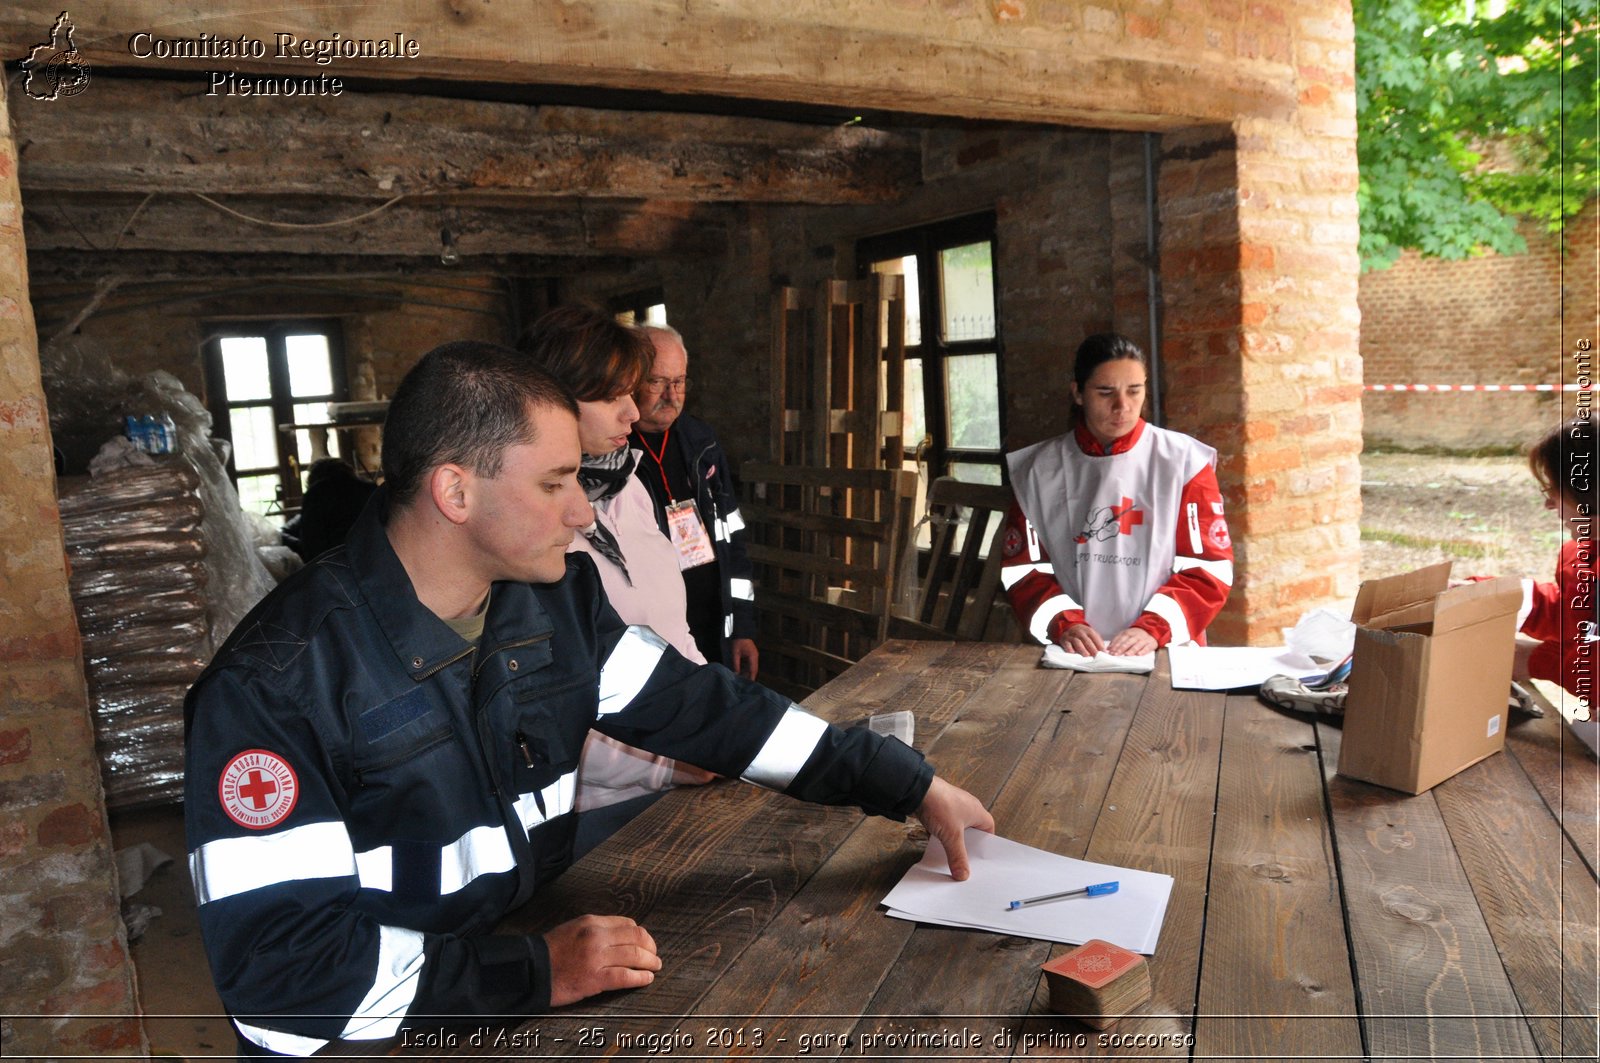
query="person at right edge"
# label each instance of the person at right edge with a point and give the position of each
(381, 761)
(1559, 622)
(1116, 541)
(688, 475)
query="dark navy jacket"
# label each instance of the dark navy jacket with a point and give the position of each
(367, 794)
(717, 499)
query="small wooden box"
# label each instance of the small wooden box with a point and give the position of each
(1097, 982)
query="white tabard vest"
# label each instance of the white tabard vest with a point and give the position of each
(1110, 523)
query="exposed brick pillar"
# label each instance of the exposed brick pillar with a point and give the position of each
(63, 949)
(1262, 331)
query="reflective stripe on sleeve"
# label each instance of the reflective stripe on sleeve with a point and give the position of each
(786, 749)
(727, 625)
(629, 667)
(230, 866)
(1039, 626)
(1526, 608)
(376, 869)
(1163, 606)
(719, 531)
(1195, 545)
(394, 986)
(480, 851)
(1221, 571)
(734, 522)
(1011, 575)
(558, 798)
(742, 589)
(288, 1044)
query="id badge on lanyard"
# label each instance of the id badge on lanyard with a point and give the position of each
(689, 535)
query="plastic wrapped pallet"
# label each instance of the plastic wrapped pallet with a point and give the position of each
(136, 551)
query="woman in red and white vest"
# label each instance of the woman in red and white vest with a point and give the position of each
(1116, 541)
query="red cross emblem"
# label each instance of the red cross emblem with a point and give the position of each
(258, 789)
(1127, 517)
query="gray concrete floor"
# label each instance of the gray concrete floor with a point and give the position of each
(183, 1017)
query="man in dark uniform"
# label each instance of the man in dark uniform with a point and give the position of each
(382, 758)
(697, 506)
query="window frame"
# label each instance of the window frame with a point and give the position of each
(281, 402)
(924, 243)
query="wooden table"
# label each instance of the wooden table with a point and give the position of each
(1313, 917)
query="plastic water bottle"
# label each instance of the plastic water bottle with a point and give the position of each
(151, 433)
(169, 434)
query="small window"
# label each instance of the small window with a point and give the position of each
(641, 308)
(269, 385)
(954, 388)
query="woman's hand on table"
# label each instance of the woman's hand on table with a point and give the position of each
(1082, 639)
(1131, 642)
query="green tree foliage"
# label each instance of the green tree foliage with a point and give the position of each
(1468, 119)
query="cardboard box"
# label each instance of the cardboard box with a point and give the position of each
(1429, 681)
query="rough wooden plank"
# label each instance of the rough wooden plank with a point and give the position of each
(1567, 778)
(1429, 981)
(75, 221)
(830, 948)
(1275, 981)
(1537, 897)
(159, 136)
(896, 58)
(1051, 801)
(1157, 816)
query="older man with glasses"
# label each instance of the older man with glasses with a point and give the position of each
(697, 507)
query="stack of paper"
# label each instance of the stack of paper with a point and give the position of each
(1233, 667)
(1004, 871)
(1056, 657)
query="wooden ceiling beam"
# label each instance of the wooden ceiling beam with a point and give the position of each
(63, 270)
(913, 59)
(143, 136)
(59, 221)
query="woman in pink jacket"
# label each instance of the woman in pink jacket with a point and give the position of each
(601, 361)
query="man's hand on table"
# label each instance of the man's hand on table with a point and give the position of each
(594, 953)
(947, 811)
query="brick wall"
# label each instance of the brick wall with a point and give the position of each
(63, 950)
(1498, 319)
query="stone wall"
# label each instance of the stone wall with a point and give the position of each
(63, 950)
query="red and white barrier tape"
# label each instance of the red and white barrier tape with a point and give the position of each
(1475, 387)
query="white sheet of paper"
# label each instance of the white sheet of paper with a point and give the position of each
(1231, 667)
(1004, 871)
(1056, 657)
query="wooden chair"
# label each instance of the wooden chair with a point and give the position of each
(826, 544)
(961, 596)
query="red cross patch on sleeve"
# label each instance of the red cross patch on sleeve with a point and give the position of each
(1217, 532)
(258, 789)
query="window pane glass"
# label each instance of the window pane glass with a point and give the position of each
(966, 277)
(907, 268)
(306, 448)
(972, 392)
(973, 472)
(255, 442)
(244, 368)
(259, 494)
(309, 371)
(656, 314)
(916, 422)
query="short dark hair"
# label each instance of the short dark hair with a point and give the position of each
(1099, 349)
(594, 355)
(463, 403)
(1563, 461)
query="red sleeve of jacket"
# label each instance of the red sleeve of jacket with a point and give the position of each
(1043, 609)
(1202, 570)
(1561, 615)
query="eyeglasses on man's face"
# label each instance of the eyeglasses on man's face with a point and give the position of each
(666, 383)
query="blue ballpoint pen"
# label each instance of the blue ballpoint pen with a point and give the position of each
(1099, 889)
